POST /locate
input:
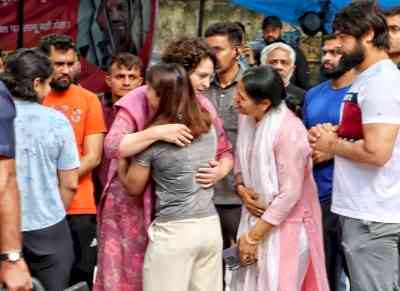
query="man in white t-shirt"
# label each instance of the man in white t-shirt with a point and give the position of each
(366, 187)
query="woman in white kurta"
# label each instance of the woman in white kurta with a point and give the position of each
(280, 240)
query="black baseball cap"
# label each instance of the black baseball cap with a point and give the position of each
(274, 21)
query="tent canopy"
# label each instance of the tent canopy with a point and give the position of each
(291, 10)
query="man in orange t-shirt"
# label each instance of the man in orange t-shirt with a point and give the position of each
(84, 111)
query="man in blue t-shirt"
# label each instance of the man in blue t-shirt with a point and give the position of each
(322, 104)
(13, 270)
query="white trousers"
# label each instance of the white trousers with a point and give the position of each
(184, 255)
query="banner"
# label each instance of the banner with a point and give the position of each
(100, 28)
(40, 18)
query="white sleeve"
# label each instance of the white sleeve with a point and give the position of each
(380, 102)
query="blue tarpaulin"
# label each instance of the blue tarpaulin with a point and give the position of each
(291, 10)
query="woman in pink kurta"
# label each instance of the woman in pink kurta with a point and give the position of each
(123, 220)
(280, 240)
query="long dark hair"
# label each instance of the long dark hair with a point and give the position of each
(22, 68)
(178, 102)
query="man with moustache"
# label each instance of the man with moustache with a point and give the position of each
(366, 146)
(282, 58)
(124, 74)
(83, 109)
(225, 38)
(122, 22)
(322, 104)
(271, 33)
(393, 22)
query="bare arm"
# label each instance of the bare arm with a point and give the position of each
(14, 275)
(375, 149)
(225, 166)
(134, 177)
(248, 243)
(10, 238)
(123, 139)
(92, 153)
(68, 184)
(136, 142)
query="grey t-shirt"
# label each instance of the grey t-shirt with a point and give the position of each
(173, 169)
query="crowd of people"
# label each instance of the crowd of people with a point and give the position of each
(219, 157)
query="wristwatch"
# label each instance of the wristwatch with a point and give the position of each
(12, 256)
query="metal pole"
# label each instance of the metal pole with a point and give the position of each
(200, 18)
(20, 39)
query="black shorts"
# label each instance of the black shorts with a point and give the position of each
(49, 255)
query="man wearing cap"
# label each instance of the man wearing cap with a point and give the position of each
(272, 32)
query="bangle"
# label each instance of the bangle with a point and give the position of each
(250, 241)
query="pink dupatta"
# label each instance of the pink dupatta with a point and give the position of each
(275, 160)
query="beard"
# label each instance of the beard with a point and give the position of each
(120, 35)
(76, 79)
(60, 85)
(355, 57)
(272, 40)
(337, 71)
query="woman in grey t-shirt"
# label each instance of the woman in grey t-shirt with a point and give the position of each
(185, 248)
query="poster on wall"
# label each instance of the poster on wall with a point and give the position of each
(100, 28)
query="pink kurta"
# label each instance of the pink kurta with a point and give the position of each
(123, 220)
(100, 173)
(294, 207)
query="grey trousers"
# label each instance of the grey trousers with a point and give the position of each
(372, 254)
